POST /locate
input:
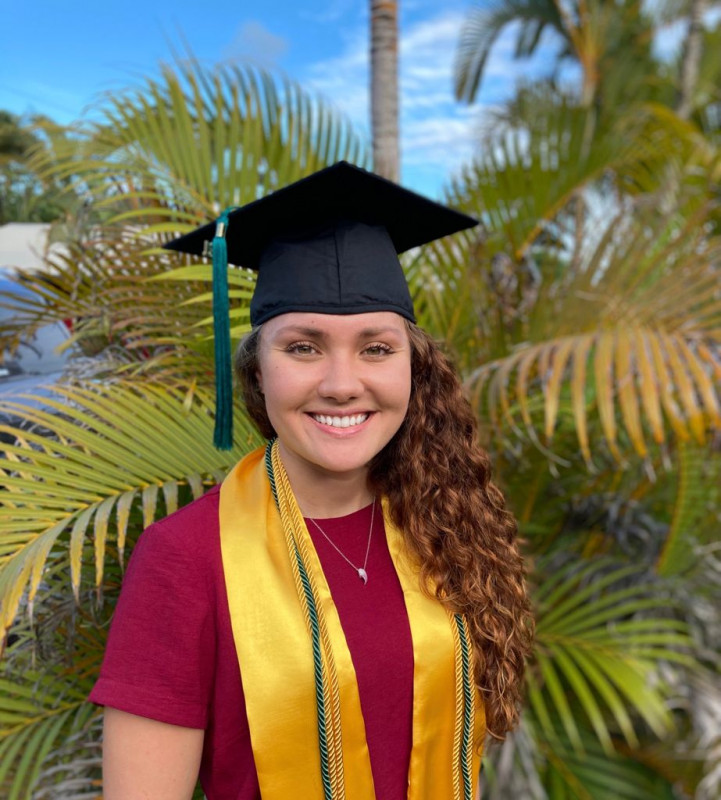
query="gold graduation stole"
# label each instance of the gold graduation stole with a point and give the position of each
(306, 725)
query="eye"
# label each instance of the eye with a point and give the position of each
(377, 349)
(301, 348)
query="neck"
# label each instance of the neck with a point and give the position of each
(322, 495)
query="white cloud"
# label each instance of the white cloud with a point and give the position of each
(438, 134)
(344, 80)
(441, 140)
(255, 42)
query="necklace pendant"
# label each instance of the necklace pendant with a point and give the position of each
(363, 575)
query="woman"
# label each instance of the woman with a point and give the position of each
(346, 616)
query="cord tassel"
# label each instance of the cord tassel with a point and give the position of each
(223, 433)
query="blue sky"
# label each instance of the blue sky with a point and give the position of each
(58, 58)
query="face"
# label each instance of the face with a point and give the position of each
(336, 388)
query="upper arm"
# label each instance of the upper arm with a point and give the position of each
(144, 758)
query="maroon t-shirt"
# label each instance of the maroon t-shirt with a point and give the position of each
(171, 656)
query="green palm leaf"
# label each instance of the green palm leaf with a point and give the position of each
(37, 713)
(483, 26)
(113, 449)
(524, 177)
(198, 140)
(74, 768)
(162, 159)
(447, 294)
(596, 775)
(597, 650)
(694, 522)
(623, 337)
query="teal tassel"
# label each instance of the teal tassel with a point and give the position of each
(223, 434)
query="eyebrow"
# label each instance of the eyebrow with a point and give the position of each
(318, 333)
(299, 330)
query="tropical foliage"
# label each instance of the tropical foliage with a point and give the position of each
(585, 317)
(24, 195)
(595, 290)
(127, 439)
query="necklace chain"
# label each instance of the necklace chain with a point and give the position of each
(362, 574)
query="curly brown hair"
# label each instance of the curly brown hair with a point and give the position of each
(464, 535)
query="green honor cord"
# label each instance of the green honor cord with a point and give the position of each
(318, 672)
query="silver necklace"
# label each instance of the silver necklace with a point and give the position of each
(362, 574)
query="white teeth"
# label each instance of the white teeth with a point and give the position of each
(340, 422)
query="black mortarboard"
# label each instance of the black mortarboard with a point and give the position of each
(328, 243)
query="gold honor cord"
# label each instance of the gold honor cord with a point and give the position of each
(326, 676)
(329, 729)
(465, 709)
(304, 713)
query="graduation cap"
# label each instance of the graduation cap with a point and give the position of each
(328, 243)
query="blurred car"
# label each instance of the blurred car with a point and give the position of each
(36, 362)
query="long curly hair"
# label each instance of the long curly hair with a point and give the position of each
(437, 480)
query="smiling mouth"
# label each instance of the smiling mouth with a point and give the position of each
(340, 422)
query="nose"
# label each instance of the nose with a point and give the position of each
(341, 380)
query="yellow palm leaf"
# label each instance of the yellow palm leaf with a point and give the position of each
(642, 307)
(110, 448)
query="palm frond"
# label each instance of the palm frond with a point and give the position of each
(598, 646)
(113, 449)
(524, 177)
(447, 294)
(250, 134)
(162, 159)
(634, 333)
(596, 775)
(481, 29)
(694, 523)
(72, 772)
(38, 712)
(513, 768)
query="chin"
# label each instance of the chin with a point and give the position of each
(342, 465)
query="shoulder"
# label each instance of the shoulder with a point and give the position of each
(160, 657)
(187, 541)
(191, 526)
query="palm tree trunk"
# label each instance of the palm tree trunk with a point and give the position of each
(384, 88)
(691, 58)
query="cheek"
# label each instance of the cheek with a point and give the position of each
(269, 389)
(283, 388)
(270, 378)
(399, 388)
(407, 381)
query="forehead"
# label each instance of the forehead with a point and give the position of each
(336, 325)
